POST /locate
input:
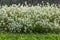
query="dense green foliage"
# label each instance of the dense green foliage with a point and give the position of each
(17, 18)
(12, 36)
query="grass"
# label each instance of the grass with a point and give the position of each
(32, 36)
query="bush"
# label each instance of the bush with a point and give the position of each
(17, 18)
(32, 2)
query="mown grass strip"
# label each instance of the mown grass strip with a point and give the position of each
(32, 36)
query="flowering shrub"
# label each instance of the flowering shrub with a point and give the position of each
(17, 18)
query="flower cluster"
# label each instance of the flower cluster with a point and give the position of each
(17, 18)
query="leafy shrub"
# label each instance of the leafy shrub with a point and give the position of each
(17, 18)
(32, 2)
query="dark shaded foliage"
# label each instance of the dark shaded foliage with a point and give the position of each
(34, 2)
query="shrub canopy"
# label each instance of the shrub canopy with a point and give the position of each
(17, 18)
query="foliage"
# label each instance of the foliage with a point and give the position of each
(17, 18)
(32, 2)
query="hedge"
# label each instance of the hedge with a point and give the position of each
(16, 18)
(32, 2)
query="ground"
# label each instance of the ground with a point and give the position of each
(31, 36)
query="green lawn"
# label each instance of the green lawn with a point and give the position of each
(32, 36)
